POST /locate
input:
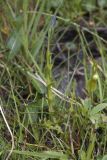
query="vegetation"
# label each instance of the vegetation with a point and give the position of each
(41, 43)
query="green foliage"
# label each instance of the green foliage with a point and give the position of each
(46, 123)
(14, 44)
(104, 158)
(43, 155)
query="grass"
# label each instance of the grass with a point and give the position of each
(37, 120)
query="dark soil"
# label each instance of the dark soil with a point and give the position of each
(69, 46)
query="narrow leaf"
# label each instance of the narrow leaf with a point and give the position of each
(45, 154)
(98, 108)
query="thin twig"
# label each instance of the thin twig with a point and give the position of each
(12, 137)
(71, 139)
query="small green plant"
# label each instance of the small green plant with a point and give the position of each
(37, 120)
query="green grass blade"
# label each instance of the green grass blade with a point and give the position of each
(45, 154)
